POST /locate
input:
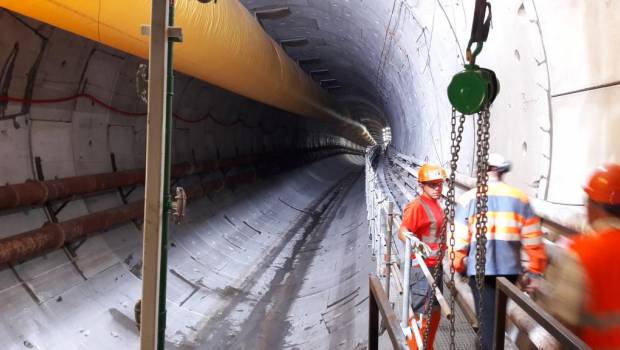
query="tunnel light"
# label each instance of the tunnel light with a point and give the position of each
(308, 60)
(328, 82)
(272, 13)
(316, 72)
(300, 41)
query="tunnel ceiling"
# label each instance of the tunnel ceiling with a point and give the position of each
(345, 37)
(399, 56)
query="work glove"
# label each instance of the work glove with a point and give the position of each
(531, 282)
(419, 247)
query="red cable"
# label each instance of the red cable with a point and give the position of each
(92, 99)
(190, 121)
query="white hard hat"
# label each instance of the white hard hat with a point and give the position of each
(498, 161)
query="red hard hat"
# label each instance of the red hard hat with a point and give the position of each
(604, 185)
(431, 172)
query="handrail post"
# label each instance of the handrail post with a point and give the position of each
(406, 279)
(373, 323)
(501, 302)
(505, 290)
(379, 304)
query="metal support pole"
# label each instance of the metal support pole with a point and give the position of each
(406, 307)
(167, 201)
(501, 302)
(406, 279)
(388, 250)
(154, 183)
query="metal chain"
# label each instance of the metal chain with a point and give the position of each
(456, 136)
(482, 155)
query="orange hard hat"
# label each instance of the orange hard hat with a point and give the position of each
(431, 172)
(604, 185)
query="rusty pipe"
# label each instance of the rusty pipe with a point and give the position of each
(55, 235)
(34, 192)
(52, 236)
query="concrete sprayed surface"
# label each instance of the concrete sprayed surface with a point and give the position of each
(283, 263)
(259, 267)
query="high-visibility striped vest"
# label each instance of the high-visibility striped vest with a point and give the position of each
(600, 319)
(424, 217)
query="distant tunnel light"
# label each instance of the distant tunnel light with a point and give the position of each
(387, 135)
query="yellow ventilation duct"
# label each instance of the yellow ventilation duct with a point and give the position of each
(222, 44)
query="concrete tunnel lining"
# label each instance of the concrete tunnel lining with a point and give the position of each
(392, 59)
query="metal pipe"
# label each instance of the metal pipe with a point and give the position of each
(34, 192)
(50, 236)
(22, 246)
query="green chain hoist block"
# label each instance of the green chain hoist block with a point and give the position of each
(473, 88)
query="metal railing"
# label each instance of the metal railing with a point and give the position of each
(384, 214)
(379, 303)
(382, 219)
(506, 290)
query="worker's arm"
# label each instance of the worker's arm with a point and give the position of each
(567, 284)
(462, 237)
(532, 242)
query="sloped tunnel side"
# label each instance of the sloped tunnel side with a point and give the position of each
(271, 260)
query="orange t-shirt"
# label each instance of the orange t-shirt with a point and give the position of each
(424, 218)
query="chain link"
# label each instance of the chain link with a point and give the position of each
(456, 136)
(482, 178)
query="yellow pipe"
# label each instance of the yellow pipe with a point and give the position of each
(222, 44)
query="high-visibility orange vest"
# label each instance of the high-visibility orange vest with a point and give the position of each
(599, 255)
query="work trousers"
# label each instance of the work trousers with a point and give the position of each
(488, 302)
(420, 291)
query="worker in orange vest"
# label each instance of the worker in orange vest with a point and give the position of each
(424, 217)
(585, 280)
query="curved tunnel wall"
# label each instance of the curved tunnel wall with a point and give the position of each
(88, 298)
(393, 60)
(400, 56)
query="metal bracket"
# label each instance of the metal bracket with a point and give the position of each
(178, 205)
(124, 195)
(174, 33)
